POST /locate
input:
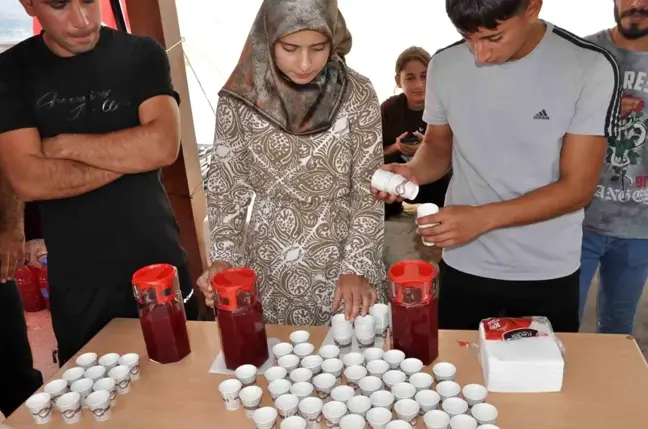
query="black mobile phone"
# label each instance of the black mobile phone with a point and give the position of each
(410, 138)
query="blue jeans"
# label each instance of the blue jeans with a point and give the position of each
(623, 273)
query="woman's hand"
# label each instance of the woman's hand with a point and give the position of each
(396, 146)
(204, 281)
(357, 294)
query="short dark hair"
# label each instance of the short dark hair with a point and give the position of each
(469, 15)
(413, 53)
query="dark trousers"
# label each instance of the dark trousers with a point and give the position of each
(465, 300)
(18, 379)
(79, 312)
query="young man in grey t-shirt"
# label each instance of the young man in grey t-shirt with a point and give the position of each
(521, 109)
(615, 232)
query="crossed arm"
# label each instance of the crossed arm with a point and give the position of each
(11, 208)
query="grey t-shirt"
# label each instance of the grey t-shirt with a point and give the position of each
(508, 122)
(620, 205)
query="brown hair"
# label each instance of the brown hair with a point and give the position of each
(411, 54)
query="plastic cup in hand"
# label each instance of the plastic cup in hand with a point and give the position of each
(86, 360)
(408, 410)
(40, 407)
(279, 387)
(378, 417)
(455, 406)
(421, 380)
(313, 363)
(298, 337)
(330, 351)
(229, 390)
(353, 358)
(382, 399)
(84, 388)
(369, 385)
(99, 405)
(287, 405)
(436, 419)
(70, 407)
(302, 389)
(394, 184)
(73, 374)
(246, 374)
(121, 375)
(354, 374)
(56, 389)
(333, 413)
(424, 210)
(428, 400)
(463, 421)
(373, 353)
(275, 373)
(411, 366)
(394, 358)
(444, 371)
(448, 389)
(311, 410)
(132, 361)
(474, 394)
(333, 366)
(303, 349)
(403, 391)
(393, 377)
(109, 361)
(324, 384)
(398, 424)
(265, 418)
(301, 374)
(342, 393)
(293, 422)
(377, 368)
(281, 350)
(484, 413)
(289, 362)
(107, 384)
(359, 405)
(95, 373)
(251, 399)
(352, 421)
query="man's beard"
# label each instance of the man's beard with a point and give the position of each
(633, 32)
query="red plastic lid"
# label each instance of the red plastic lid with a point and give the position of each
(229, 283)
(412, 273)
(160, 277)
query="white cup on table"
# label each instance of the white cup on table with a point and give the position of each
(70, 407)
(381, 313)
(313, 363)
(95, 373)
(474, 394)
(109, 361)
(342, 393)
(365, 329)
(301, 375)
(370, 384)
(73, 374)
(448, 389)
(289, 362)
(99, 405)
(132, 361)
(229, 390)
(485, 413)
(287, 405)
(246, 374)
(353, 358)
(488, 426)
(303, 349)
(324, 384)
(421, 380)
(398, 424)
(394, 358)
(299, 337)
(436, 419)
(275, 373)
(302, 389)
(378, 417)
(444, 371)
(279, 387)
(86, 360)
(377, 367)
(428, 400)
(265, 418)
(408, 410)
(121, 375)
(311, 410)
(40, 407)
(280, 350)
(110, 386)
(330, 351)
(84, 388)
(354, 374)
(455, 406)
(333, 413)
(251, 399)
(393, 377)
(411, 366)
(352, 421)
(293, 422)
(359, 405)
(463, 421)
(382, 399)
(373, 353)
(403, 390)
(333, 366)
(56, 389)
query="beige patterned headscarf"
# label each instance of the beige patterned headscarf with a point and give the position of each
(257, 82)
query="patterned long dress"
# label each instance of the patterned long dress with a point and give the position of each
(312, 215)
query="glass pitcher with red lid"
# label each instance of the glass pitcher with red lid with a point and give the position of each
(413, 295)
(240, 318)
(162, 314)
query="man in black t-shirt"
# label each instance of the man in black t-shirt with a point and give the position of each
(88, 117)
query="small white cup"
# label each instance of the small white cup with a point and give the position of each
(303, 349)
(73, 374)
(301, 374)
(302, 389)
(333, 366)
(265, 418)
(246, 374)
(99, 405)
(359, 405)
(448, 389)
(444, 371)
(95, 373)
(463, 421)
(455, 406)
(279, 387)
(377, 367)
(289, 362)
(121, 375)
(132, 361)
(485, 414)
(298, 337)
(330, 351)
(373, 353)
(382, 399)
(353, 358)
(109, 361)
(56, 389)
(293, 422)
(70, 407)
(370, 384)
(421, 380)
(354, 374)
(428, 400)
(394, 358)
(311, 410)
(251, 399)
(86, 360)
(275, 373)
(394, 184)
(287, 405)
(313, 363)
(40, 407)
(398, 424)
(436, 419)
(424, 210)
(488, 426)
(353, 421)
(474, 394)
(403, 391)
(84, 388)
(229, 390)
(379, 417)
(324, 384)
(281, 350)
(411, 366)
(393, 377)
(342, 393)
(333, 413)
(110, 386)
(408, 410)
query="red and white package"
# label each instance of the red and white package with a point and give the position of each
(509, 328)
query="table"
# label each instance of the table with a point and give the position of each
(605, 386)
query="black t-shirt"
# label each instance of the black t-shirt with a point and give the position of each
(103, 236)
(398, 118)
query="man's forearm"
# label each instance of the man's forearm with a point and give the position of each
(431, 162)
(11, 208)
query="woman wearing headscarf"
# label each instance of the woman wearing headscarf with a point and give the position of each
(298, 137)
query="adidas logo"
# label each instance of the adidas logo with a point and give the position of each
(542, 115)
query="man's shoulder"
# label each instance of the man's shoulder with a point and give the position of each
(586, 51)
(137, 46)
(18, 53)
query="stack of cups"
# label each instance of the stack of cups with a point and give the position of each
(394, 184)
(424, 210)
(381, 313)
(365, 330)
(342, 330)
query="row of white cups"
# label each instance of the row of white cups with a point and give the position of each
(377, 383)
(93, 384)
